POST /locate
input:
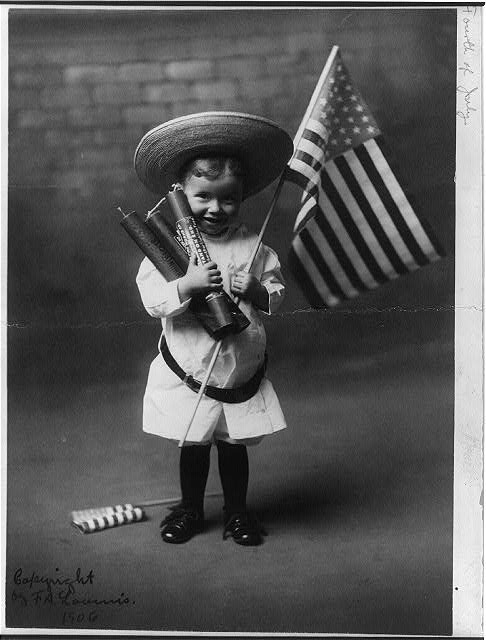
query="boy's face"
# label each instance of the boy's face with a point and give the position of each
(214, 203)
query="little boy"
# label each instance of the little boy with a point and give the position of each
(219, 158)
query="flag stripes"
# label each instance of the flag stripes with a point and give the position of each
(305, 163)
(376, 205)
(385, 230)
(352, 229)
(429, 236)
(362, 226)
(389, 203)
(363, 239)
(313, 144)
(314, 126)
(313, 282)
(364, 204)
(344, 239)
(426, 240)
(336, 247)
(356, 228)
(299, 178)
(321, 263)
(305, 281)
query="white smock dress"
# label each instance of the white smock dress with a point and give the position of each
(168, 402)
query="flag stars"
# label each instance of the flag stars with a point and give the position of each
(345, 109)
(350, 119)
(356, 129)
(342, 130)
(365, 119)
(359, 108)
(354, 98)
(370, 129)
(348, 141)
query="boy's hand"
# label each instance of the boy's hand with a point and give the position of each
(246, 286)
(199, 278)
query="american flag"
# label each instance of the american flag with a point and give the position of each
(356, 228)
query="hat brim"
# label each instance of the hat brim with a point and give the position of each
(262, 146)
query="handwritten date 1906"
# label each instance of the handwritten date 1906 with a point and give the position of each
(72, 618)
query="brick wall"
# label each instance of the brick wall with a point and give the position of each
(84, 86)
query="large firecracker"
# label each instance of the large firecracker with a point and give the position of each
(169, 251)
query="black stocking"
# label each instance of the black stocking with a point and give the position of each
(194, 469)
(233, 471)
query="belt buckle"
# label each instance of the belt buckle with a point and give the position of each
(190, 382)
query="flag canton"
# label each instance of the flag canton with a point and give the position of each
(343, 113)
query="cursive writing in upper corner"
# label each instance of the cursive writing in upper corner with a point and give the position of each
(465, 94)
(465, 113)
(468, 43)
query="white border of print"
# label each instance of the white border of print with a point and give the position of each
(468, 417)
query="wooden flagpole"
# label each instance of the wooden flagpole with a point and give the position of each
(298, 136)
(219, 344)
(202, 389)
(310, 108)
(315, 97)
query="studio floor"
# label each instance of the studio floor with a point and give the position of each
(356, 496)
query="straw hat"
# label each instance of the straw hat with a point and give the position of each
(260, 144)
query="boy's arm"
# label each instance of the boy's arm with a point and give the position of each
(160, 298)
(266, 293)
(199, 279)
(247, 287)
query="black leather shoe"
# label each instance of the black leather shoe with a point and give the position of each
(181, 525)
(244, 528)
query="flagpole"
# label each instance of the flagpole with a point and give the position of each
(311, 106)
(202, 389)
(315, 97)
(219, 344)
(298, 136)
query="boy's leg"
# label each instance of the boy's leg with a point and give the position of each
(187, 518)
(234, 473)
(194, 470)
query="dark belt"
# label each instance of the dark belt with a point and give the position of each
(234, 395)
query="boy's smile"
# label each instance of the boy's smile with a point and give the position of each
(214, 202)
